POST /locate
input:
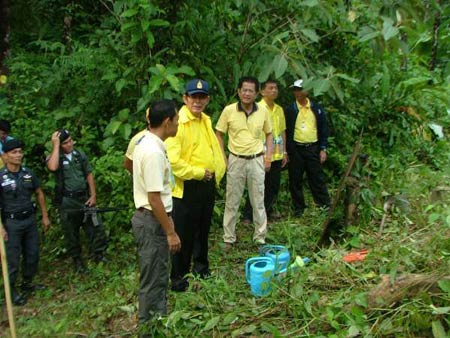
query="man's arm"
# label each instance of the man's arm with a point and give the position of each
(128, 164)
(220, 137)
(154, 199)
(40, 197)
(285, 159)
(92, 201)
(53, 160)
(268, 154)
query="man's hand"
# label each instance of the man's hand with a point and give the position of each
(323, 156)
(45, 223)
(208, 175)
(4, 234)
(92, 201)
(55, 139)
(267, 165)
(285, 160)
(174, 242)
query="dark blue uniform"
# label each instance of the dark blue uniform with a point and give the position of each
(19, 219)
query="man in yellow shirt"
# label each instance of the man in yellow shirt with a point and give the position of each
(269, 92)
(246, 123)
(306, 138)
(198, 166)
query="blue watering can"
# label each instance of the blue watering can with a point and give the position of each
(259, 272)
(279, 254)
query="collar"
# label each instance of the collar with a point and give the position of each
(308, 104)
(185, 115)
(240, 108)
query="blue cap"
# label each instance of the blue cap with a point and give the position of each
(197, 86)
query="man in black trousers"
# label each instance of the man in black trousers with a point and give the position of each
(306, 138)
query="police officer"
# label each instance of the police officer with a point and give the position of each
(20, 232)
(76, 186)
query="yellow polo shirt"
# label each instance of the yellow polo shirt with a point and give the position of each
(151, 172)
(305, 125)
(245, 132)
(278, 126)
(132, 144)
(193, 149)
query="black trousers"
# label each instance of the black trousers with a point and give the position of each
(271, 189)
(23, 240)
(192, 216)
(306, 159)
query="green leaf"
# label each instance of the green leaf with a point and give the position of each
(438, 329)
(112, 127)
(129, 13)
(444, 285)
(211, 323)
(229, 318)
(389, 31)
(369, 36)
(159, 23)
(145, 24)
(120, 84)
(440, 310)
(347, 77)
(310, 3)
(310, 34)
(174, 82)
(321, 86)
(124, 114)
(279, 65)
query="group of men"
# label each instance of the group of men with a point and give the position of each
(75, 189)
(178, 162)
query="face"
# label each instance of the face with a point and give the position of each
(247, 93)
(300, 93)
(172, 126)
(270, 91)
(67, 146)
(3, 135)
(196, 103)
(14, 156)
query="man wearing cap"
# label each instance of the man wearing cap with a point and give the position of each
(153, 227)
(128, 158)
(5, 129)
(75, 186)
(246, 123)
(198, 166)
(17, 184)
(306, 134)
(269, 92)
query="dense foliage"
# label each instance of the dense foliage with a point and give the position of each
(377, 66)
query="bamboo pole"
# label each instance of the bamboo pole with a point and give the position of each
(9, 307)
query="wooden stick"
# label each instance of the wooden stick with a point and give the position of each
(9, 307)
(341, 186)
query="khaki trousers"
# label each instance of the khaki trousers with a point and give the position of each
(240, 172)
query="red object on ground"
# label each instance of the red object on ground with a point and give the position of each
(355, 256)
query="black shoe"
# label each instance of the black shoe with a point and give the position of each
(28, 287)
(17, 298)
(179, 285)
(78, 265)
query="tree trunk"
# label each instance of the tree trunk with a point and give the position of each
(437, 24)
(4, 34)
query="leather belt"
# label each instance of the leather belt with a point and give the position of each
(306, 145)
(75, 194)
(248, 157)
(146, 211)
(20, 215)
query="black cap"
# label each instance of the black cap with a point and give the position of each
(12, 144)
(64, 135)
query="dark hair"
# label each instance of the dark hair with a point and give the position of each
(5, 126)
(249, 79)
(265, 83)
(160, 110)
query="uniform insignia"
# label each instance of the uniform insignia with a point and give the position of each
(199, 85)
(65, 162)
(27, 176)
